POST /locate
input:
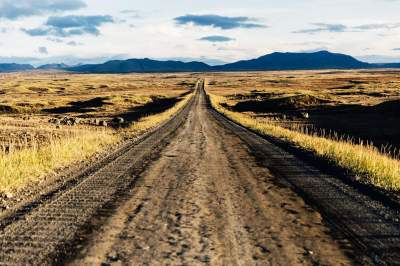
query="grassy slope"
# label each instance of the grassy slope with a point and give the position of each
(366, 162)
(20, 167)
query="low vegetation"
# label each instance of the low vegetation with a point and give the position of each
(362, 104)
(19, 167)
(365, 161)
(150, 121)
(47, 129)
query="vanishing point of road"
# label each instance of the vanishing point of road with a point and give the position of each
(201, 190)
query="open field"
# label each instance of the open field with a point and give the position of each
(359, 104)
(198, 189)
(48, 121)
(309, 112)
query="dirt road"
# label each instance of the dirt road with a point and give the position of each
(199, 192)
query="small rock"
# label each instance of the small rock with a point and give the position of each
(113, 256)
(305, 115)
(308, 252)
(9, 195)
(263, 248)
(103, 123)
(118, 120)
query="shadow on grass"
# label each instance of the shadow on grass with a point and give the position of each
(379, 124)
(80, 106)
(290, 103)
(158, 105)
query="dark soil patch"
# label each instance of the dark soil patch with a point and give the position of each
(388, 107)
(39, 90)
(279, 104)
(7, 109)
(349, 93)
(344, 87)
(80, 106)
(379, 124)
(158, 105)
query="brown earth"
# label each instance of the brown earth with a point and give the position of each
(201, 191)
(205, 201)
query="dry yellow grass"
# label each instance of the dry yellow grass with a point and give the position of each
(366, 162)
(19, 167)
(34, 92)
(344, 87)
(153, 120)
(32, 148)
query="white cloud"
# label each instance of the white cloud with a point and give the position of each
(43, 50)
(148, 29)
(13, 9)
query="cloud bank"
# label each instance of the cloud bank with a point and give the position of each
(216, 38)
(66, 26)
(325, 27)
(216, 21)
(14, 9)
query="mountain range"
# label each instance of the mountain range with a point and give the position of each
(53, 67)
(15, 67)
(141, 65)
(274, 61)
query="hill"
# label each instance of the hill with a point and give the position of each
(296, 61)
(274, 61)
(141, 65)
(53, 67)
(388, 65)
(15, 67)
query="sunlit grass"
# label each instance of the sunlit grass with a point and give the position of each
(365, 161)
(150, 121)
(19, 167)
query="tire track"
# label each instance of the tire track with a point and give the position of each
(44, 232)
(370, 224)
(206, 201)
(202, 190)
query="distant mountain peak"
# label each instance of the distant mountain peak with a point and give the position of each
(142, 65)
(296, 61)
(324, 52)
(53, 66)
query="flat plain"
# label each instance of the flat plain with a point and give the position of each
(156, 169)
(362, 105)
(42, 113)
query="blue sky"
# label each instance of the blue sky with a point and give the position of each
(42, 31)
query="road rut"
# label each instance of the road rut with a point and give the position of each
(206, 201)
(202, 190)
